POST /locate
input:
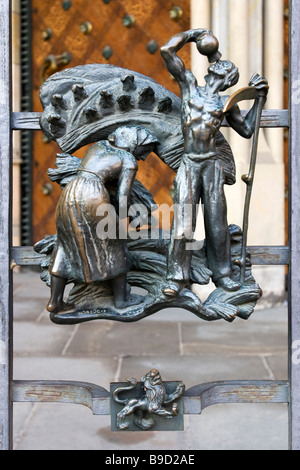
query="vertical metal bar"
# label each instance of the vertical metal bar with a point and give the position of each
(5, 229)
(294, 228)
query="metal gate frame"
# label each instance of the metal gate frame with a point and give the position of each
(200, 396)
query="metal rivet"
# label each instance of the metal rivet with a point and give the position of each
(46, 139)
(128, 21)
(176, 13)
(47, 34)
(152, 46)
(86, 27)
(67, 4)
(47, 189)
(107, 52)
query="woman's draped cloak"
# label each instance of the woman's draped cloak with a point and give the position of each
(81, 253)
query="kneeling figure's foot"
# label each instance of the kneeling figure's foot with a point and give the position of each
(55, 307)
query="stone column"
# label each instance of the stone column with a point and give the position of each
(200, 18)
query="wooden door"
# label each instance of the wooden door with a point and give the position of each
(126, 33)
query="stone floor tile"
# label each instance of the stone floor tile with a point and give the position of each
(230, 427)
(278, 365)
(125, 339)
(100, 371)
(28, 309)
(240, 338)
(176, 342)
(192, 370)
(32, 338)
(238, 427)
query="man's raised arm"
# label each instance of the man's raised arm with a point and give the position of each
(169, 51)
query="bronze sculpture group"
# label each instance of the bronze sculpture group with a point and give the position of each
(126, 116)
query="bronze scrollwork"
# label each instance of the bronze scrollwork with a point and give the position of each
(106, 242)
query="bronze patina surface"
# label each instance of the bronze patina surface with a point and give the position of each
(123, 116)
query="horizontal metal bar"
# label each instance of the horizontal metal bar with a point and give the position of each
(270, 255)
(270, 118)
(26, 121)
(25, 256)
(260, 255)
(196, 399)
(96, 398)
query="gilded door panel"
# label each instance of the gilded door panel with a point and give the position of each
(126, 33)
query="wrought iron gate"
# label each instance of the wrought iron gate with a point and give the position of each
(93, 396)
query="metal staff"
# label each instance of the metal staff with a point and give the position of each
(246, 94)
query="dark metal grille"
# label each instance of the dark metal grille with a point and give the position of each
(26, 136)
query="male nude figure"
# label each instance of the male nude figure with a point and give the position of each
(202, 173)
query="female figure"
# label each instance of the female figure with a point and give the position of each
(83, 253)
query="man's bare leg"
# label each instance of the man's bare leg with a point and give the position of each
(178, 267)
(216, 227)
